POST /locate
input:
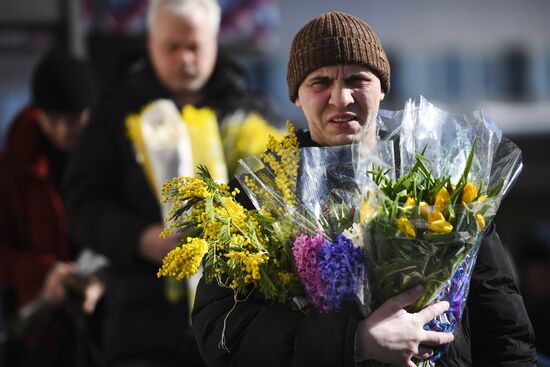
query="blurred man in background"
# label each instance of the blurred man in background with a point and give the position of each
(532, 258)
(35, 251)
(112, 205)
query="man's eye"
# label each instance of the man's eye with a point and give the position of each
(358, 82)
(320, 82)
(171, 48)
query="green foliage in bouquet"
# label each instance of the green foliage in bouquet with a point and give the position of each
(424, 224)
(337, 217)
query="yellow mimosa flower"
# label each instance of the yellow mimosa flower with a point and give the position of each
(480, 221)
(285, 167)
(469, 193)
(405, 226)
(184, 261)
(286, 277)
(252, 265)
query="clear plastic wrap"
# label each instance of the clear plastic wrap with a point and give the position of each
(403, 202)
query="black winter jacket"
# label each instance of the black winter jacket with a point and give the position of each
(495, 330)
(110, 203)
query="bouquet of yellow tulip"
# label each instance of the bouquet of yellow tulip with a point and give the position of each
(424, 210)
(423, 231)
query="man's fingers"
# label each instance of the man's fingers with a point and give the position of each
(408, 297)
(66, 267)
(431, 312)
(436, 338)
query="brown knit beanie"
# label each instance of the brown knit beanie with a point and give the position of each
(335, 38)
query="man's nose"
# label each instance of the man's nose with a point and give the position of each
(187, 56)
(341, 96)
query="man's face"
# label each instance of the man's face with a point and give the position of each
(63, 129)
(183, 49)
(338, 100)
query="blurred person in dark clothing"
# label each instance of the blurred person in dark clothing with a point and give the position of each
(113, 208)
(35, 250)
(532, 257)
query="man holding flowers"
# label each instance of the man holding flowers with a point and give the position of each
(338, 74)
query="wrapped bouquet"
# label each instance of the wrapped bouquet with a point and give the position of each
(433, 185)
(171, 142)
(335, 227)
(242, 249)
(434, 199)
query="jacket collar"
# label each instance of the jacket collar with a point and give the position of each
(305, 140)
(26, 145)
(225, 90)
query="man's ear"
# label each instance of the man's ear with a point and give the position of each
(297, 102)
(382, 96)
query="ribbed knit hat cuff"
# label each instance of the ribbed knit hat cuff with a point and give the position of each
(333, 51)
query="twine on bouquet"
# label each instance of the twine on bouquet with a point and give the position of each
(222, 344)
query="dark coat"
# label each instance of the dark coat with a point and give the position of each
(33, 226)
(495, 330)
(110, 203)
(33, 237)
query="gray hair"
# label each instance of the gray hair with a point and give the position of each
(182, 7)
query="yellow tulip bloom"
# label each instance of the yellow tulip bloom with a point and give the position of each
(469, 193)
(482, 198)
(409, 203)
(442, 199)
(425, 209)
(365, 212)
(480, 221)
(438, 224)
(405, 226)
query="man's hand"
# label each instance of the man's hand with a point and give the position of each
(392, 335)
(61, 277)
(93, 291)
(154, 248)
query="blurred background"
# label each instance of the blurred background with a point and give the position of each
(492, 55)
